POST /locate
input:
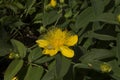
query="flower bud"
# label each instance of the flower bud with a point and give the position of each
(11, 55)
(42, 29)
(118, 17)
(53, 3)
(61, 1)
(105, 68)
(15, 78)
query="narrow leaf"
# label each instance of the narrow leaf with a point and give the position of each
(118, 47)
(99, 36)
(97, 54)
(29, 5)
(43, 59)
(13, 69)
(19, 47)
(107, 18)
(83, 19)
(98, 6)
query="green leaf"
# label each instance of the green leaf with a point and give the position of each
(96, 26)
(58, 59)
(19, 47)
(107, 18)
(4, 48)
(83, 19)
(18, 5)
(43, 59)
(81, 65)
(106, 2)
(62, 66)
(34, 54)
(117, 11)
(50, 75)
(50, 17)
(98, 6)
(13, 69)
(99, 36)
(34, 73)
(115, 69)
(91, 64)
(65, 66)
(38, 18)
(88, 43)
(68, 13)
(5, 45)
(12, 7)
(117, 2)
(29, 5)
(118, 47)
(96, 54)
(18, 24)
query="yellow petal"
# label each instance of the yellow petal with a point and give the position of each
(72, 40)
(42, 43)
(67, 52)
(50, 52)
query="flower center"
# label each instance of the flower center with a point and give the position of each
(56, 43)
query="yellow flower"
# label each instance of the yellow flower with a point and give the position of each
(105, 68)
(15, 78)
(57, 40)
(53, 3)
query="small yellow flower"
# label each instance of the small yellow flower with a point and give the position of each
(15, 78)
(105, 68)
(57, 40)
(53, 3)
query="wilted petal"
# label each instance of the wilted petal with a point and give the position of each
(50, 52)
(72, 40)
(42, 43)
(67, 52)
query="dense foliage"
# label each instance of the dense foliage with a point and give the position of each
(97, 52)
